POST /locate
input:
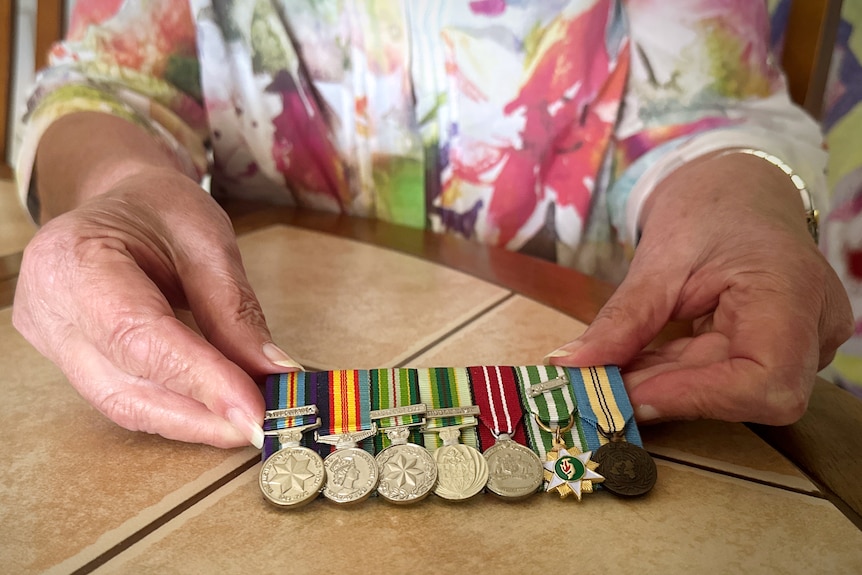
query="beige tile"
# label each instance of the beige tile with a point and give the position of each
(73, 484)
(16, 229)
(693, 522)
(728, 447)
(336, 303)
(517, 332)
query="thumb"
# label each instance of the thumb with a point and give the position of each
(633, 316)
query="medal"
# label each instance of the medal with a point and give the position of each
(514, 471)
(407, 471)
(450, 433)
(567, 470)
(628, 469)
(351, 472)
(293, 475)
(462, 472)
(548, 396)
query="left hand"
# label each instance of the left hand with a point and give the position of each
(724, 245)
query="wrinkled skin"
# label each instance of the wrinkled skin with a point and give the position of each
(95, 295)
(732, 254)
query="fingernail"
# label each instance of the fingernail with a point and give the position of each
(249, 428)
(277, 356)
(646, 413)
(567, 349)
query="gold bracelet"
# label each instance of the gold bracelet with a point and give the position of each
(812, 214)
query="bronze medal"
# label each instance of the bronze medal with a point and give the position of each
(629, 471)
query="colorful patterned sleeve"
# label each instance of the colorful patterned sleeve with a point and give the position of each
(135, 59)
(842, 228)
(703, 78)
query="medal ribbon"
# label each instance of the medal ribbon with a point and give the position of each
(286, 390)
(394, 388)
(495, 390)
(554, 407)
(441, 387)
(347, 394)
(603, 401)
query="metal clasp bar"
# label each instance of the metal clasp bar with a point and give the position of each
(540, 388)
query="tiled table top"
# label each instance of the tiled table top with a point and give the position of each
(77, 492)
(693, 522)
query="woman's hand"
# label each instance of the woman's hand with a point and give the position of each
(96, 294)
(724, 244)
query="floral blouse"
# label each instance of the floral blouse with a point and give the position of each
(536, 126)
(842, 229)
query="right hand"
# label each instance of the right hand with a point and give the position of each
(96, 293)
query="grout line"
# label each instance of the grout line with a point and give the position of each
(166, 517)
(736, 475)
(190, 502)
(187, 504)
(460, 327)
(227, 478)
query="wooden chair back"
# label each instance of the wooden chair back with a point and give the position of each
(50, 16)
(808, 44)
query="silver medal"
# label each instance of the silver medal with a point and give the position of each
(351, 472)
(462, 471)
(293, 475)
(407, 471)
(514, 471)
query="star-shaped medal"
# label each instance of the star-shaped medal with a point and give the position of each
(403, 471)
(290, 476)
(569, 473)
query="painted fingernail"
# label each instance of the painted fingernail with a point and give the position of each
(277, 356)
(246, 425)
(646, 413)
(567, 349)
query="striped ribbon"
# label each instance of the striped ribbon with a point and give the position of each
(441, 387)
(553, 407)
(495, 390)
(347, 395)
(287, 390)
(604, 403)
(344, 400)
(395, 388)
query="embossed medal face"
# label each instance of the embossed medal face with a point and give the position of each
(351, 475)
(407, 473)
(628, 469)
(292, 477)
(514, 471)
(462, 472)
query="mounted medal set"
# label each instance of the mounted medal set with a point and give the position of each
(454, 432)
